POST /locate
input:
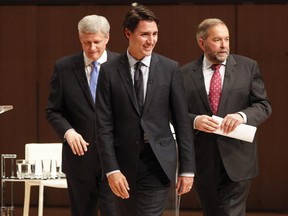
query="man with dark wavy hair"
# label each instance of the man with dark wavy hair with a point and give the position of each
(138, 92)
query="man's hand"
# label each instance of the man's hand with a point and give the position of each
(76, 142)
(184, 184)
(230, 122)
(206, 123)
(119, 185)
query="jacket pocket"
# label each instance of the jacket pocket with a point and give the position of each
(168, 141)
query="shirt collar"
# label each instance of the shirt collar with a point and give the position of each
(207, 64)
(132, 61)
(101, 60)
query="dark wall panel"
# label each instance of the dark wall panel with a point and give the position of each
(18, 79)
(126, 2)
(262, 35)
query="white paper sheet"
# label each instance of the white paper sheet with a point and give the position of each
(242, 132)
(5, 108)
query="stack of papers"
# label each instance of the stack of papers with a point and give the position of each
(5, 108)
(242, 132)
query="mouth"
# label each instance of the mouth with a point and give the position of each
(148, 48)
(223, 53)
(93, 53)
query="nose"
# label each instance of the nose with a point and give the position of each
(224, 43)
(93, 46)
(151, 39)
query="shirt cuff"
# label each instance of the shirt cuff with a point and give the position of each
(243, 115)
(186, 174)
(194, 122)
(109, 173)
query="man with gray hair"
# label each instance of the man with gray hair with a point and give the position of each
(230, 86)
(71, 113)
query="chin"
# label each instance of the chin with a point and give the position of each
(147, 53)
(222, 58)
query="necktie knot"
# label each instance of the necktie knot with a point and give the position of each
(95, 63)
(138, 71)
(215, 67)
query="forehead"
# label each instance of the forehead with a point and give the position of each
(147, 26)
(91, 36)
(219, 30)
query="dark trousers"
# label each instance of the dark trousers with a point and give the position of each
(219, 196)
(148, 197)
(86, 195)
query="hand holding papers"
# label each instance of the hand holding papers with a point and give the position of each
(242, 132)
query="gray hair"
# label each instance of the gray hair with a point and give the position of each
(94, 24)
(205, 25)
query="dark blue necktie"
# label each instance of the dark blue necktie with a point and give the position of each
(93, 79)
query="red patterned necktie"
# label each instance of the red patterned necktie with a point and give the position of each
(215, 88)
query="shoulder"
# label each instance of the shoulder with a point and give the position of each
(162, 59)
(111, 55)
(70, 58)
(113, 61)
(192, 66)
(240, 59)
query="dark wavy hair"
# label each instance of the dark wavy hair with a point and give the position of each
(137, 14)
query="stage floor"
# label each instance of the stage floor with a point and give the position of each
(59, 211)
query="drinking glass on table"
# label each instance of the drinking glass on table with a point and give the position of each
(46, 168)
(25, 168)
(21, 168)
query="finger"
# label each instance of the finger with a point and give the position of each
(178, 185)
(124, 189)
(115, 191)
(229, 126)
(119, 187)
(126, 184)
(121, 191)
(183, 189)
(84, 145)
(124, 193)
(72, 147)
(213, 121)
(78, 148)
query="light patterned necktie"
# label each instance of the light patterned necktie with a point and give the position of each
(93, 79)
(215, 88)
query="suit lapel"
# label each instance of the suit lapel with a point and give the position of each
(153, 70)
(229, 79)
(79, 70)
(125, 74)
(198, 79)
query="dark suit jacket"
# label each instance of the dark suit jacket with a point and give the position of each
(70, 105)
(120, 123)
(243, 90)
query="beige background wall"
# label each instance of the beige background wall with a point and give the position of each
(33, 37)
